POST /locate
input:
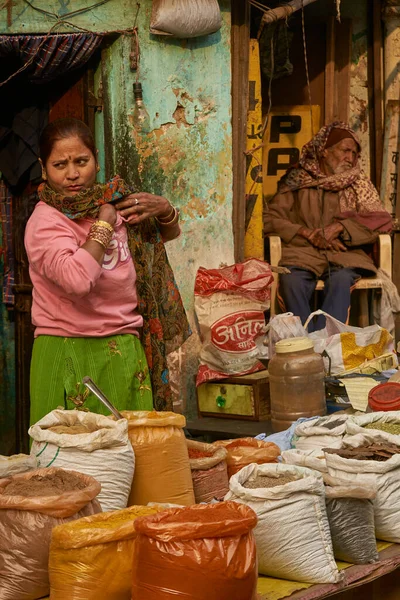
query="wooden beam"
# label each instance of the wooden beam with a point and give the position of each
(330, 72)
(343, 32)
(282, 12)
(377, 46)
(240, 99)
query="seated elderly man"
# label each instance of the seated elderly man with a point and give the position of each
(326, 210)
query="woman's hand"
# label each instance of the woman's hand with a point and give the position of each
(138, 207)
(108, 213)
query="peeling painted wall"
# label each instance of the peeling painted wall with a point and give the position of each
(187, 154)
(186, 157)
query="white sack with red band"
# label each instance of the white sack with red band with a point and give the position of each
(230, 305)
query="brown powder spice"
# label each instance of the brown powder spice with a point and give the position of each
(264, 481)
(44, 485)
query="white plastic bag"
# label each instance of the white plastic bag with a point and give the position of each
(348, 347)
(280, 327)
(106, 453)
(185, 18)
(324, 432)
(292, 534)
(385, 476)
(17, 463)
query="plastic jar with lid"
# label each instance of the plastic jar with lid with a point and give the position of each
(296, 377)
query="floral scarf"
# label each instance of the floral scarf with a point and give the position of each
(357, 191)
(165, 325)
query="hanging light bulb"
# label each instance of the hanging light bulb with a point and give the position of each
(141, 118)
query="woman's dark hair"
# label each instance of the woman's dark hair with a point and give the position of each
(64, 128)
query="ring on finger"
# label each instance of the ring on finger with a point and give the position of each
(136, 201)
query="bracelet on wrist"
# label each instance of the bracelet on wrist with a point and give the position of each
(173, 221)
(102, 233)
(168, 216)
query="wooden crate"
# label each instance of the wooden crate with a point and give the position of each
(242, 397)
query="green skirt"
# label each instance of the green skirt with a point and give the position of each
(117, 364)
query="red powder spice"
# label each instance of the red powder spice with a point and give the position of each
(193, 453)
(239, 443)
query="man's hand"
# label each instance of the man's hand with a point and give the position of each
(325, 239)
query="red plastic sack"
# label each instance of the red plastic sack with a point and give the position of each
(245, 451)
(201, 552)
(230, 305)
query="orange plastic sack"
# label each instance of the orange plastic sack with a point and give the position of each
(25, 532)
(92, 558)
(162, 469)
(201, 552)
(244, 451)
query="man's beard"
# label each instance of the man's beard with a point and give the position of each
(343, 167)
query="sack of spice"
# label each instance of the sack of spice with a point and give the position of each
(320, 433)
(89, 443)
(18, 463)
(312, 459)
(368, 458)
(244, 451)
(201, 552)
(386, 423)
(292, 533)
(31, 504)
(92, 558)
(350, 512)
(209, 471)
(162, 471)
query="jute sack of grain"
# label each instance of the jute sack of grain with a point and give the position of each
(200, 552)
(92, 558)
(17, 463)
(350, 512)
(382, 475)
(27, 517)
(209, 471)
(387, 423)
(185, 18)
(292, 533)
(104, 451)
(323, 432)
(162, 472)
(244, 451)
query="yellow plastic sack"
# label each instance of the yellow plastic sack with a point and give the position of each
(162, 469)
(92, 558)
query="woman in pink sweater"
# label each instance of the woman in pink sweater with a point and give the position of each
(105, 303)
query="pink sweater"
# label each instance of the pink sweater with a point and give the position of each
(73, 296)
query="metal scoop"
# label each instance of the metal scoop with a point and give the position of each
(99, 394)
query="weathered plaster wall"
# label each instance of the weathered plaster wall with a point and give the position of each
(187, 155)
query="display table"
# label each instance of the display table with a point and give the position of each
(214, 428)
(370, 579)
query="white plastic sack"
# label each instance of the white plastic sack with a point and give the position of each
(280, 327)
(320, 433)
(385, 476)
(292, 534)
(348, 347)
(17, 463)
(106, 454)
(312, 459)
(356, 424)
(185, 18)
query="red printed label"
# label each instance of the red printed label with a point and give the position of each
(236, 332)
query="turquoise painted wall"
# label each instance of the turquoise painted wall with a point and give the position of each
(187, 156)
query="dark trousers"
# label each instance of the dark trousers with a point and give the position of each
(297, 288)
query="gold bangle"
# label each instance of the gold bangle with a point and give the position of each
(105, 224)
(174, 219)
(101, 234)
(169, 214)
(93, 238)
